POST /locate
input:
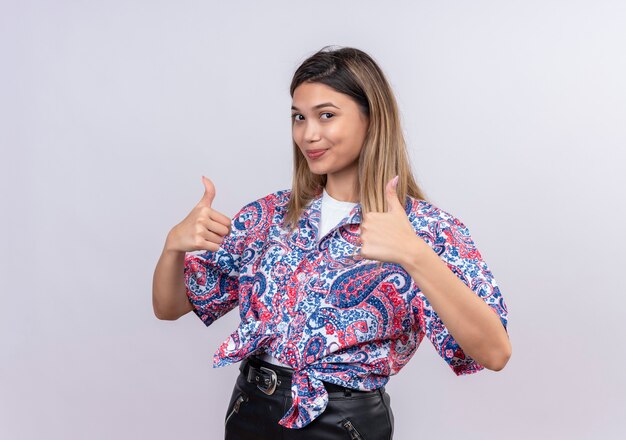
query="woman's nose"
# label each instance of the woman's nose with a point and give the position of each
(311, 132)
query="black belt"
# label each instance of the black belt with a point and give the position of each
(269, 378)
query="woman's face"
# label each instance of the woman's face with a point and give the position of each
(327, 121)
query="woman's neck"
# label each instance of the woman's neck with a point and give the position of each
(343, 186)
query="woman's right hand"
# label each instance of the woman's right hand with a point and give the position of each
(204, 228)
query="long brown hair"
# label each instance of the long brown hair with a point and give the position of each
(384, 154)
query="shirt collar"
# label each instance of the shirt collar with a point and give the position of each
(313, 210)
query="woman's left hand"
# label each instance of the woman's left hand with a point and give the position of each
(389, 236)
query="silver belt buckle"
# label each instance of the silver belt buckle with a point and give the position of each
(273, 380)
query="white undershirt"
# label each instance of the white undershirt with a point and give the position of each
(333, 211)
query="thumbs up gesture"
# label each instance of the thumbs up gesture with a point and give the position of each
(204, 228)
(389, 236)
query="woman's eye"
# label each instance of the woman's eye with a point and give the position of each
(295, 116)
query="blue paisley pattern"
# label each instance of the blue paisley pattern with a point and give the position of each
(309, 303)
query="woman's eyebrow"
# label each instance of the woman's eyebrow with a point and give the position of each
(324, 104)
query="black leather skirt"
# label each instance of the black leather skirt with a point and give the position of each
(262, 395)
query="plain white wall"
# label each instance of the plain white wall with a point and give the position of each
(111, 111)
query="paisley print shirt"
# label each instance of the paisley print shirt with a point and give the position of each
(308, 302)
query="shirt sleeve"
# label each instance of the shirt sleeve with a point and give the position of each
(457, 249)
(212, 277)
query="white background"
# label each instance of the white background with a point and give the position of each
(515, 116)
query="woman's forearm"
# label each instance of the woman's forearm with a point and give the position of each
(169, 293)
(470, 321)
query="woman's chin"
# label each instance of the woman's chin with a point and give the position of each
(317, 169)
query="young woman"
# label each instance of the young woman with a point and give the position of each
(338, 278)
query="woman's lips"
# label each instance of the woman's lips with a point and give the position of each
(314, 154)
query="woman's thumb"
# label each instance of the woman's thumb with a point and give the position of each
(209, 192)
